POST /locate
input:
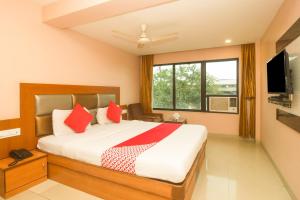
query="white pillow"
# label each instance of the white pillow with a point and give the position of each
(102, 116)
(58, 122)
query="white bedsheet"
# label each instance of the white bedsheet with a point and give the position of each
(168, 160)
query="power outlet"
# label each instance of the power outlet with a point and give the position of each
(10, 133)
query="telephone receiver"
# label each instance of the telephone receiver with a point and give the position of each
(18, 155)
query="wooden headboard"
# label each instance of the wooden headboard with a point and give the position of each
(28, 93)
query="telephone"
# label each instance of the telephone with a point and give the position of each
(19, 154)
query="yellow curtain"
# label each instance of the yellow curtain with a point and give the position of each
(247, 108)
(146, 76)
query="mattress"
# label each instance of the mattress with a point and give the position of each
(168, 160)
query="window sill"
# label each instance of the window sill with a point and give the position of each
(190, 110)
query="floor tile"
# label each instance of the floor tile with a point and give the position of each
(242, 191)
(62, 192)
(27, 195)
(43, 186)
(238, 169)
(212, 188)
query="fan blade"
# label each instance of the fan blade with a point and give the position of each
(125, 39)
(165, 37)
(124, 36)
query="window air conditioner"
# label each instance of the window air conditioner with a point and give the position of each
(223, 104)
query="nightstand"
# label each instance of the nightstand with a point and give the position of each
(179, 121)
(23, 175)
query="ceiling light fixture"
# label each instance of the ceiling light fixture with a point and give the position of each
(228, 41)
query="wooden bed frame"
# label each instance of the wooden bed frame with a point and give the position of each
(109, 184)
(95, 180)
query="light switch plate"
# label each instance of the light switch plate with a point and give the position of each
(10, 133)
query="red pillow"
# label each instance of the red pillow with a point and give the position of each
(114, 112)
(79, 119)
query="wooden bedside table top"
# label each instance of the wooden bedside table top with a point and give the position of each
(6, 161)
(179, 121)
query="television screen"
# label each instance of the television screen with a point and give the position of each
(276, 74)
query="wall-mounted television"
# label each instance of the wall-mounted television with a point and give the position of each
(278, 72)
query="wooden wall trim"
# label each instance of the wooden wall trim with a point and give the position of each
(288, 37)
(292, 33)
(291, 120)
(10, 123)
(7, 144)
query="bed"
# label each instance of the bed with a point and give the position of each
(156, 162)
(168, 170)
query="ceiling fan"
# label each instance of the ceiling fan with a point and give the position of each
(143, 39)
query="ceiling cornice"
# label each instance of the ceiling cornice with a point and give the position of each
(70, 13)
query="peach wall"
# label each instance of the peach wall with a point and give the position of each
(216, 123)
(31, 51)
(281, 142)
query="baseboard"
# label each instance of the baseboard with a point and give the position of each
(210, 134)
(288, 188)
(237, 137)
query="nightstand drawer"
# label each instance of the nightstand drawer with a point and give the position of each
(25, 173)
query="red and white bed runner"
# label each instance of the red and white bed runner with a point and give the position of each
(122, 157)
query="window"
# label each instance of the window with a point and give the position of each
(222, 86)
(221, 78)
(187, 82)
(163, 86)
(208, 86)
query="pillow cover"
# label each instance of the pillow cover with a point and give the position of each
(58, 118)
(79, 119)
(114, 112)
(102, 117)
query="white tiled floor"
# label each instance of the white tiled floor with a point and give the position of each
(238, 169)
(235, 169)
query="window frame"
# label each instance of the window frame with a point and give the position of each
(202, 86)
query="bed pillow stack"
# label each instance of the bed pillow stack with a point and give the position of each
(58, 118)
(71, 121)
(110, 114)
(79, 119)
(114, 112)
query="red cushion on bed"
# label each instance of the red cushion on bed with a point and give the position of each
(79, 119)
(114, 112)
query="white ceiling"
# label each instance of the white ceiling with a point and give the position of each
(200, 24)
